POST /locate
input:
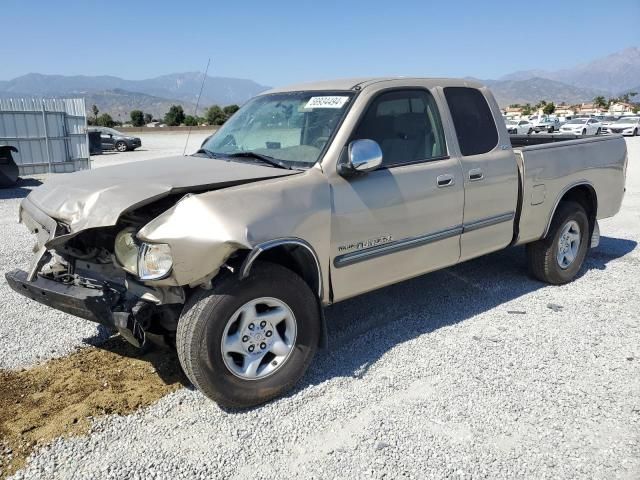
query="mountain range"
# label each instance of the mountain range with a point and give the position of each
(154, 95)
(611, 75)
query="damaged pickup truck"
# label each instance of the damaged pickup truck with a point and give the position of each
(307, 196)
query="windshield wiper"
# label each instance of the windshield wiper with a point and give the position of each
(264, 158)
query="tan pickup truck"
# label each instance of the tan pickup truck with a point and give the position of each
(307, 196)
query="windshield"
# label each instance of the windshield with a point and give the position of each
(291, 127)
(578, 121)
(511, 122)
(628, 120)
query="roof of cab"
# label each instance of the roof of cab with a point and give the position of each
(362, 82)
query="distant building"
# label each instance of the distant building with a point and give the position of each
(513, 113)
(565, 111)
(620, 108)
(589, 109)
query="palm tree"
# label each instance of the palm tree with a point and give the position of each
(600, 101)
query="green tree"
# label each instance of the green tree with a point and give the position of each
(549, 108)
(105, 120)
(137, 118)
(230, 110)
(540, 104)
(175, 116)
(636, 108)
(95, 111)
(527, 110)
(190, 121)
(148, 118)
(215, 115)
(600, 101)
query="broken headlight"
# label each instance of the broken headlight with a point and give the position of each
(154, 261)
(126, 250)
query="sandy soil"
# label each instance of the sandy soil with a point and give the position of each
(62, 396)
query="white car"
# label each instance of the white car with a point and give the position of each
(582, 126)
(519, 127)
(625, 126)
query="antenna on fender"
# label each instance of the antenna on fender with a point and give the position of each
(195, 114)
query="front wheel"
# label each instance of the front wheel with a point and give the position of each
(635, 132)
(584, 131)
(558, 257)
(121, 146)
(598, 132)
(247, 341)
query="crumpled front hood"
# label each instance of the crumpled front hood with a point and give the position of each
(97, 198)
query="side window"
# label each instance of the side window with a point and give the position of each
(407, 126)
(472, 118)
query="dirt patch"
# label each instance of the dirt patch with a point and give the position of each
(60, 397)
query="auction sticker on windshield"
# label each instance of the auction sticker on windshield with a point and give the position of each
(326, 102)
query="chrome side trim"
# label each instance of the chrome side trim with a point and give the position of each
(393, 247)
(488, 222)
(245, 268)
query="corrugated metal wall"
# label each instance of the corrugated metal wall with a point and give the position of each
(50, 134)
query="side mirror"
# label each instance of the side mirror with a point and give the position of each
(363, 156)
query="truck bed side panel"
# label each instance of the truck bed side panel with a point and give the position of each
(551, 169)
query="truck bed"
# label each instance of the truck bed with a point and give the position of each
(550, 165)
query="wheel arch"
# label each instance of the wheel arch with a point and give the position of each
(583, 193)
(298, 256)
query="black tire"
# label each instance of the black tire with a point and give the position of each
(202, 325)
(584, 131)
(541, 255)
(122, 146)
(635, 132)
(530, 131)
(598, 131)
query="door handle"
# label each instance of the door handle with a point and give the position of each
(476, 174)
(445, 180)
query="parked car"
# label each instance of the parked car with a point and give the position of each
(606, 121)
(625, 126)
(114, 140)
(231, 254)
(519, 127)
(582, 126)
(544, 123)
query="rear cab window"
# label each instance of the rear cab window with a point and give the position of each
(407, 126)
(473, 121)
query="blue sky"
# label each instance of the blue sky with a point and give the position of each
(277, 42)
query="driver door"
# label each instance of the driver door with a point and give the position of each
(405, 218)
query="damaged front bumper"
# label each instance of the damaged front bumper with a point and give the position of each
(88, 303)
(135, 319)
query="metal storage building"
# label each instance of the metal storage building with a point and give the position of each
(50, 134)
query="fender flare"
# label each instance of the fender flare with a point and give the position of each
(245, 268)
(561, 196)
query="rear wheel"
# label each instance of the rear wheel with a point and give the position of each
(558, 257)
(121, 146)
(247, 341)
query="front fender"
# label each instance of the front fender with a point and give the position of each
(204, 230)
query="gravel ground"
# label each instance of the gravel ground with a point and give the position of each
(473, 371)
(154, 145)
